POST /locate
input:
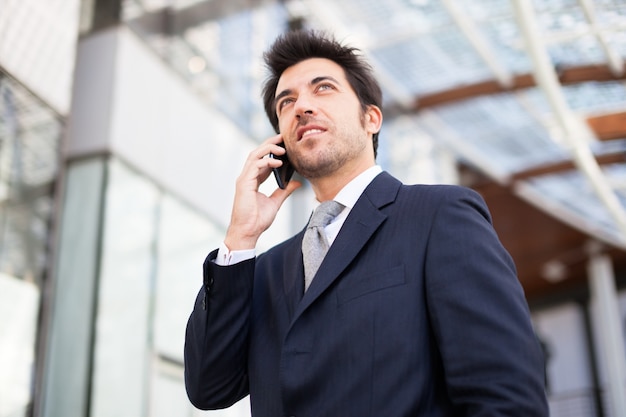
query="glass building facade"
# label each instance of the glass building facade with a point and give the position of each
(37, 49)
(30, 133)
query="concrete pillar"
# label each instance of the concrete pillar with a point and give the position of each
(609, 330)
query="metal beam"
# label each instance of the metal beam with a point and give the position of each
(614, 60)
(573, 128)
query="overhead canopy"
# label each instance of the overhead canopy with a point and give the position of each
(530, 94)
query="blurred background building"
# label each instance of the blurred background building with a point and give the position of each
(123, 124)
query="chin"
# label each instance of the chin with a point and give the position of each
(319, 170)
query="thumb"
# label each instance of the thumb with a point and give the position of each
(281, 195)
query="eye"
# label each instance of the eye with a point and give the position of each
(282, 103)
(324, 87)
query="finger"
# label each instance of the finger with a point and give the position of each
(280, 195)
(271, 145)
(259, 162)
(276, 139)
(292, 186)
(263, 155)
(264, 148)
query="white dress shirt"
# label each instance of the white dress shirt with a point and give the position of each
(347, 196)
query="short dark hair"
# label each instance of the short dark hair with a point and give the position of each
(296, 46)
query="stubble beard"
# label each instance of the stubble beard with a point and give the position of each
(329, 158)
(320, 164)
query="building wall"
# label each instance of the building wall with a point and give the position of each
(37, 49)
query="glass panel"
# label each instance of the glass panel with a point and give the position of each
(596, 97)
(406, 62)
(69, 356)
(495, 133)
(19, 304)
(29, 147)
(185, 239)
(168, 392)
(125, 295)
(562, 334)
(582, 51)
(572, 199)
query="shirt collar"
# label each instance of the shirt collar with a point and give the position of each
(351, 192)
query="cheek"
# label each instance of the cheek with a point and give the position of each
(282, 124)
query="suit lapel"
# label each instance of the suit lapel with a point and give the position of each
(364, 219)
(293, 279)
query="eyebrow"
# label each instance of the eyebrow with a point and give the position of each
(314, 81)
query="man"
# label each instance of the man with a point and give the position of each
(416, 309)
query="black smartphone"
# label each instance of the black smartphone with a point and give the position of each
(284, 172)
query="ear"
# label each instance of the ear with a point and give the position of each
(373, 119)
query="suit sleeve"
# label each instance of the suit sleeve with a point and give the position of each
(492, 360)
(216, 340)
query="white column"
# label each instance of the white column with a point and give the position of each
(609, 330)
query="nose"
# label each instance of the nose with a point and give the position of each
(304, 106)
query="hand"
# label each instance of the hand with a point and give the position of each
(254, 212)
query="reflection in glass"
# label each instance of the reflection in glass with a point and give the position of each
(29, 146)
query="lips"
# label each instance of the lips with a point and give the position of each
(305, 131)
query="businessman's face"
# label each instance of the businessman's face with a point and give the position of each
(321, 120)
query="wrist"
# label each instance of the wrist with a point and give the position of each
(234, 241)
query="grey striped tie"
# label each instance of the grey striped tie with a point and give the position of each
(314, 243)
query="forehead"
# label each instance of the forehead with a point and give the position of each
(306, 71)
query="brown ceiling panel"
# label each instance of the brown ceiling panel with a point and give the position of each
(557, 167)
(536, 239)
(571, 75)
(609, 126)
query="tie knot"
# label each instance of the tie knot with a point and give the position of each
(324, 213)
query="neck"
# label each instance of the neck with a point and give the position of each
(326, 188)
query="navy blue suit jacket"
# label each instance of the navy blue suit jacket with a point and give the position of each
(415, 311)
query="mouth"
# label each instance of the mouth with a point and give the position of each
(306, 131)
